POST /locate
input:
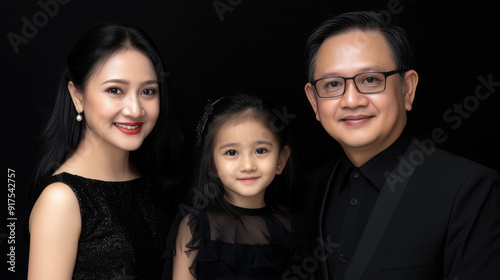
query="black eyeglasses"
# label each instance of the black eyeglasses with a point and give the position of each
(368, 82)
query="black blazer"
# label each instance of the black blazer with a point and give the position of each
(446, 224)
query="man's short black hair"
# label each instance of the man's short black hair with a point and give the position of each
(365, 21)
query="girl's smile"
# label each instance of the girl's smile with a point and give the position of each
(248, 180)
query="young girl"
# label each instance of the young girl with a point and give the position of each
(237, 230)
(99, 209)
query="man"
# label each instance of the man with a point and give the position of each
(392, 206)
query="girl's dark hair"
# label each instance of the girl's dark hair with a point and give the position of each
(365, 21)
(208, 189)
(62, 134)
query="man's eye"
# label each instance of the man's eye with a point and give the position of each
(333, 84)
(370, 80)
(373, 80)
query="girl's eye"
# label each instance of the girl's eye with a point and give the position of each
(231, 153)
(149, 91)
(114, 90)
(261, 151)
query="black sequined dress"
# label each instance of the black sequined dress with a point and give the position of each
(124, 227)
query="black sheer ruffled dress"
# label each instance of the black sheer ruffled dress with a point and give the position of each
(124, 226)
(246, 244)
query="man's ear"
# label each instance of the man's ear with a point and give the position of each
(410, 87)
(282, 159)
(76, 96)
(311, 96)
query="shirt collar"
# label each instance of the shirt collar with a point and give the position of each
(376, 168)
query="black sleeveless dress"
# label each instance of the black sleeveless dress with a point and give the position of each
(240, 244)
(124, 227)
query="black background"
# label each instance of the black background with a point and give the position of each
(257, 47)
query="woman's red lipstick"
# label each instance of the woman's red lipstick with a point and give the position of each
(129, 127)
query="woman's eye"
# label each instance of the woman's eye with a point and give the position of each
(114, 90)
(261, 151)
(149, 91)
(231, 153)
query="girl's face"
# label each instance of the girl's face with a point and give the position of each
(247, 157)
(121, 101)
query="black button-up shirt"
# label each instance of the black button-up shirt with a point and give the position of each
(351, 197)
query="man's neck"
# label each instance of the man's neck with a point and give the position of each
(361, 155)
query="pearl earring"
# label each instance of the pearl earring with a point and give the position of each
(79, 117)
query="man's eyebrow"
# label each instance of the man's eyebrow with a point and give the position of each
(359, 71)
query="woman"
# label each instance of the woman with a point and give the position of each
(102, 206)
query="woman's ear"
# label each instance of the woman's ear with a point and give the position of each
(282, 159)
(76, 96)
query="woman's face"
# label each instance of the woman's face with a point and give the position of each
(121, 101)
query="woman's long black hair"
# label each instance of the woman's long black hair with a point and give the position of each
(62, 133)
(208, 189)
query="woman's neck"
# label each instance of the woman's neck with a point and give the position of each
(97, 159)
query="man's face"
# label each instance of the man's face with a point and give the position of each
(361, 123)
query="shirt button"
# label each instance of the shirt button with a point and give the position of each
(354, 201)
(356, 174)
(342, 258)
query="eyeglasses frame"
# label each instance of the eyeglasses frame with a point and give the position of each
(386, 74)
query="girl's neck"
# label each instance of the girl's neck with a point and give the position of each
(96, 159)
(247, 202)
